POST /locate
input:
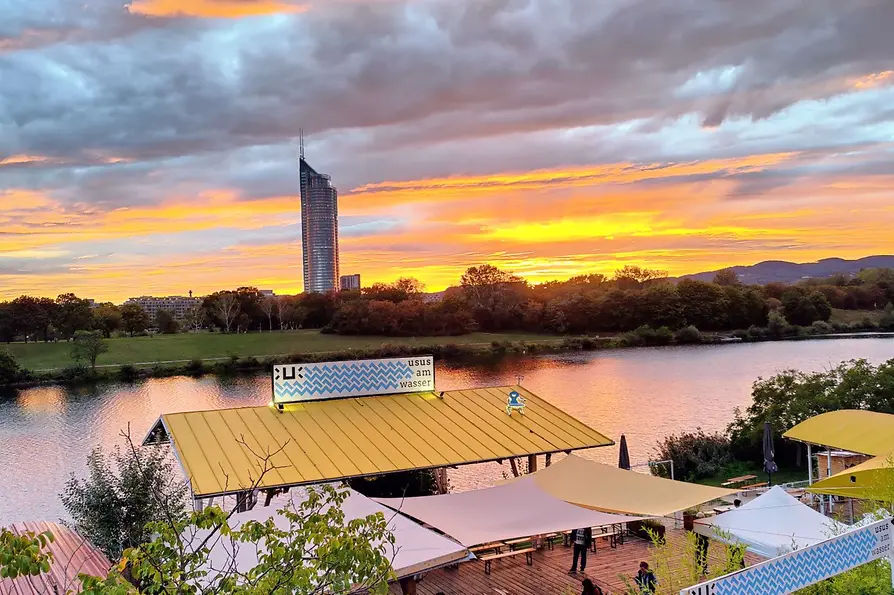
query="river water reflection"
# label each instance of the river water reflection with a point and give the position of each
(47, 433)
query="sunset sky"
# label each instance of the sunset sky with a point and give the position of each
(150, 147)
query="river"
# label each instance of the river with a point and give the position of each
(648, 393)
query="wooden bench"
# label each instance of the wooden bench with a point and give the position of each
(496, 547)
(615, 535)
(753, 486)
(513, 543)
(733, 481)
(528, 552)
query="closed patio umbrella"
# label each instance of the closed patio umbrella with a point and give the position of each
(769, 455)
(623, 454)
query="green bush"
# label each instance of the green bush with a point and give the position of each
(646, 335)
(10, 371)
(821, 327)
(886, 322)
(128, 373)
(696, 455)
(194, 367)
(688, 335)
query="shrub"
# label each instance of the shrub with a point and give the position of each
(128, 373)
(696, 455)
(194, 367)
(777, 325)
(646, 335)
(688, 335)
(886, 322)
(9, 368)
(821, 327)
(757, 333)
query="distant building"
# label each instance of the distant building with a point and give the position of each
(350, 283)
(266, 292)
(319, 229)
(179, 306)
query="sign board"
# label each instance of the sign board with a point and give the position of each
(804, 567)
(294, 383)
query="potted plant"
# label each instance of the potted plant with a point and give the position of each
(649, 529)
(689, 518)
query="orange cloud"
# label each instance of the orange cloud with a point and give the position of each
(542, 224)
(219, 9)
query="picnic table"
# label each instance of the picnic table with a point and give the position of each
(742, 479)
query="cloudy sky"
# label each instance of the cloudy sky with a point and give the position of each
(150, 146)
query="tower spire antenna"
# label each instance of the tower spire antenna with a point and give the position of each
(301, 142)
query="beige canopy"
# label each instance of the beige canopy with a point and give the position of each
(611, 489)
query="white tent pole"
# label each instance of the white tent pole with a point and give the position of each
(829, 472)
(810, 469)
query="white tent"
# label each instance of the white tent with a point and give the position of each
(772, 524)
(416, 549)
(507, 511)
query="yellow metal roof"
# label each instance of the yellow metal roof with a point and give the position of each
(612, 489)
(872, 480)
(864, 432)
(323, 441)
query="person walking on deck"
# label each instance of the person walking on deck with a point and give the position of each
(645, 578)
(581, 540)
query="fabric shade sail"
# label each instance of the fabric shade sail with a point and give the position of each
(416, 549)
(772, 524)
(872, 480)
(507, 511)
(864, 432)
(611, 489)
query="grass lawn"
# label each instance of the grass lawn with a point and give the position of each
(188, 346)
(852, 316)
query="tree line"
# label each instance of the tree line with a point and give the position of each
(486, 299)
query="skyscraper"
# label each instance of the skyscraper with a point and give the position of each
(319, 229)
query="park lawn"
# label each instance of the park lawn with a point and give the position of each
(187, 346)
(854, 316)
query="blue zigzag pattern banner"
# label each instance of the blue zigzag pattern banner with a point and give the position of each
(340, 379)
(805, 567)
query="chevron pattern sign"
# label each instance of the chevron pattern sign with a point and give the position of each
(333, 380)
(804, 567)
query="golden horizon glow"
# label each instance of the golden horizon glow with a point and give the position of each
(215, 9)
(543, 225)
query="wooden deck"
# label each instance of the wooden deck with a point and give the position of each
(549, 574)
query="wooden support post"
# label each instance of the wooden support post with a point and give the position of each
(549, 460)
(514, 466)
(408, 585)
(532, 463)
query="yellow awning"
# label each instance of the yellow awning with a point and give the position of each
(612, 489)
(864, 432)
(220, 451)
(872, 480)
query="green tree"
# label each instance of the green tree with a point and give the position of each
(108, 319)
(9, 368)
(405, 288)
(87, 346)
(805, 309)
(886, 321)
(33, 315)
(72, 314)
(135, 318)
(23, 554)
(704, 305)
(166, 323)
(121, 494)
(727, 278)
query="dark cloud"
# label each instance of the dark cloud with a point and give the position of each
(405, 88)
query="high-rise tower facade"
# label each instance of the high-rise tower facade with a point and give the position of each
(319, 229)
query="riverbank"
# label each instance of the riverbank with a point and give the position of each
(130, 359)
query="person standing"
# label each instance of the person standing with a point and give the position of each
(581, 540)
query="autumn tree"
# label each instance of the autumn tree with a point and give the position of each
(726, 277)
(166, 323)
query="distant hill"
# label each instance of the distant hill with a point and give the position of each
(792, 272)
